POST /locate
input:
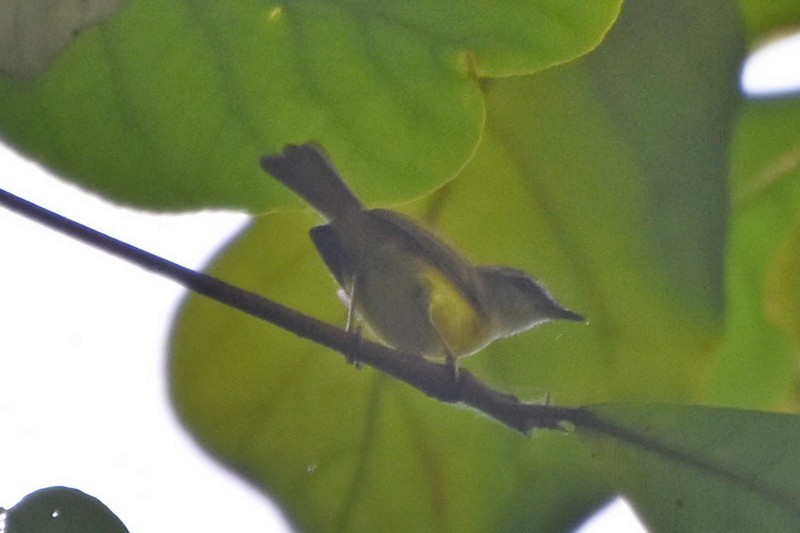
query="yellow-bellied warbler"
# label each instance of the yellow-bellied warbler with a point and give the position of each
(414, 291)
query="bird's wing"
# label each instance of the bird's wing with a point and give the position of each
(453, 265)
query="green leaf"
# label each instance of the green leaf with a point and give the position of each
(342, 449)
(757, 360)
(572, 181)
(61, 510)
(170, 105)
(782, 290)
(769, 19)
(676, 112)
(630, 188)
(700, 468)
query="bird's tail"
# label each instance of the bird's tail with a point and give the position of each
(307, 171)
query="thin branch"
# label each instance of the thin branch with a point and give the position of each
(433, 379)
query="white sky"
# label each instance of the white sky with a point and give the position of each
(83, 392)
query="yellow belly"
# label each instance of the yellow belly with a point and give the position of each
(463, 329)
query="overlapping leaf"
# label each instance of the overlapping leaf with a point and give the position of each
(699, 468)
(170, 104)
(567, 184)
(606, 177)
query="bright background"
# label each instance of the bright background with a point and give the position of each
(83, 335)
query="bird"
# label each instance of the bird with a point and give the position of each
(413, 291)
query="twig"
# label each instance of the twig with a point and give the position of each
(433, 379)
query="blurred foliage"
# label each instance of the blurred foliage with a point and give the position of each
(757, 363)
(633, 181)
(61, 510)
(767, 20)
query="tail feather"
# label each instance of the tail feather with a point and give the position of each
(306, 170)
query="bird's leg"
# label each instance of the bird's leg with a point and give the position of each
(455, 384)
(352, 326)
(451, 361)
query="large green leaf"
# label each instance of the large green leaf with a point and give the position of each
(633, 185)
(563, 184)
(701, 469)
(757, 363)
(683, 156)
(342, 449)
(170, 104)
